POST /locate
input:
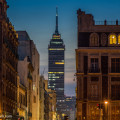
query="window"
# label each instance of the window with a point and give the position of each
(94, 90)
(115, 79)
(115, 111)
(34, 87)
(118, 39)
(115, 92)
(112, 39)
(94, 39)
(115, 65)
(94, 64)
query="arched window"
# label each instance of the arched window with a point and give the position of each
(112, 39)
(119, 39)
(94, 39)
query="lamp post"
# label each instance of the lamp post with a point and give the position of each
(106, 110)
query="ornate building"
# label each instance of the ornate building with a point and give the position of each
(98, 69)
(8, 65)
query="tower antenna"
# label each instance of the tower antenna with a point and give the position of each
(56, 30)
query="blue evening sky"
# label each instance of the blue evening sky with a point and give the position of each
(37, 17)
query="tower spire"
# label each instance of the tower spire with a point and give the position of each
(56, 30)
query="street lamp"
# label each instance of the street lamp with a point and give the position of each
(106, 102)
(106, 109)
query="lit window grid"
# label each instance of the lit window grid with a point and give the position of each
(56, 42)
(56, 49)
(55, 77)
(114, 40)
(56, 72)
(59, 63)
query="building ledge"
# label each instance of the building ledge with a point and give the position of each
(79, 74)
(114, 74)
(94, 73)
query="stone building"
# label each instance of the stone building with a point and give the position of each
(22, 101)
(28, 48)
(52, 95)
(98, 69)
(42, 97)
(50, 102)
(8, 65)
(25, 71)
(46, 106)
(70, 102)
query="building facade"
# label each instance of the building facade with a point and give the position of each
(22, 101)
(70, 102)
(8, 65)
(51, 94)
(25, 71)
(28, 48)
(56, 62)
(42, 97)
(97, 69)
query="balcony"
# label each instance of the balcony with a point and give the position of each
(107, 22)
(114, 71)
(94, 71)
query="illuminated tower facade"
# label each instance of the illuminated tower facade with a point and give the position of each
(56, 50)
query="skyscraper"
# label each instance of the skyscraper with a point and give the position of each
(56, 62)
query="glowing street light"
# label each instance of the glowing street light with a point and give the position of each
(106, 102)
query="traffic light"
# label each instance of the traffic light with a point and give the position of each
(98, 105)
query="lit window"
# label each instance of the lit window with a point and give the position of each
(56, 49)
(112, 39)
(56, 72)
(60, 63)
(118, 39)
(34, 87)
(56, 37)
(56, 42)
(60, 89)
